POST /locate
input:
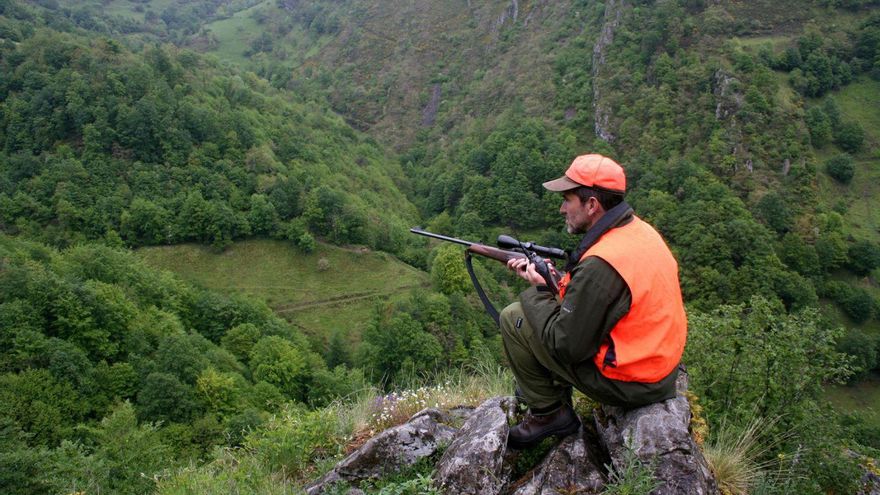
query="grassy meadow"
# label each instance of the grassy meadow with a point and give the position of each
(862, 217)
(235, 34)
(862, 398)
(321, 291)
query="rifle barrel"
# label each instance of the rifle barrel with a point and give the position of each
(425, 233)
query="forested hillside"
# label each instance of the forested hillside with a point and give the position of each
(93, 333)
(750, 133)
(163, 146)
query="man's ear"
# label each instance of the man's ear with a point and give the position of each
(597, 206)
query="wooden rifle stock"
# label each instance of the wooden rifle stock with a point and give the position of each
(501, 255)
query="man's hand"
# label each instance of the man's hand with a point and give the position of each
(526, 270)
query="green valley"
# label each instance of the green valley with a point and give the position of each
(206, 279)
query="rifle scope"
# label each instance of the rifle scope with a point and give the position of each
(507, 242)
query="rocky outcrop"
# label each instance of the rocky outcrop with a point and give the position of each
(602, 113)
(571, 467)
(391, 450)
(510, 12)
(659, 436)
(429, 113)
(477, 461)
(729, 99)
(474, 462)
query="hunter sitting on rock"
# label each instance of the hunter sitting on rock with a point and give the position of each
(616, 331)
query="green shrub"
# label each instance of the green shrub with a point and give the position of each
(819, 126)
(864, 256)
(277, 361)
(774, 210)
(233, 471)
(420, 485)
(863, 348)
(855, 301)
(859, 304)
(841, 168)
(290, 442)
(123, 457)
(328, 386)
(448, 271)
(850, 137)
(20, 465)
(306, 243)
(780, 361)
(825, 469)
(861, 428)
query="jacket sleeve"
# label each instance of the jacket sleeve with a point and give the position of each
(595, 299)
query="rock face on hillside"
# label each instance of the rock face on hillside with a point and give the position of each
(602, 116)
(476, 459)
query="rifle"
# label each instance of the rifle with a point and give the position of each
(512, 248)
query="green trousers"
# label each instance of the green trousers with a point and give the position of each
(541, 379)
(545, 381)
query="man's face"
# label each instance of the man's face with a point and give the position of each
(578, 215)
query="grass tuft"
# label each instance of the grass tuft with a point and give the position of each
(632, 476)
(738, 456)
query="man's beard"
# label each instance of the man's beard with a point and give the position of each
(572, 229)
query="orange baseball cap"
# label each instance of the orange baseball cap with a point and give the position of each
(594, 170)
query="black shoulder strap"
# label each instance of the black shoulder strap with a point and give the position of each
(486, 302)
(611, 218)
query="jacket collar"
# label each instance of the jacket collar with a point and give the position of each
(618, 216)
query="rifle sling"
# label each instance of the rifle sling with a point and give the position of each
(485, 299)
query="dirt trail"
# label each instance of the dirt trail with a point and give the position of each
(343, 298)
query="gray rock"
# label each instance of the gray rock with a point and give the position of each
(570, 467)
(602, 111)
(730, 99)
(391, 450)
(658, 435)
(474, 462)
(461, 413)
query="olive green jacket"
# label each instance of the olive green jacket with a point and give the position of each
(596, 298)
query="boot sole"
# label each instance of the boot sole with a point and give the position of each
(559, 433)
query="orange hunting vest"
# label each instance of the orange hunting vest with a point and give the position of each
(647, 343)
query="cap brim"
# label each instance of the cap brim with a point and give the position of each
(561, 184)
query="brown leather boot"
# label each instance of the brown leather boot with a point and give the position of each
(534, 428)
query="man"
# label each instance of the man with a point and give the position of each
(616, 331)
